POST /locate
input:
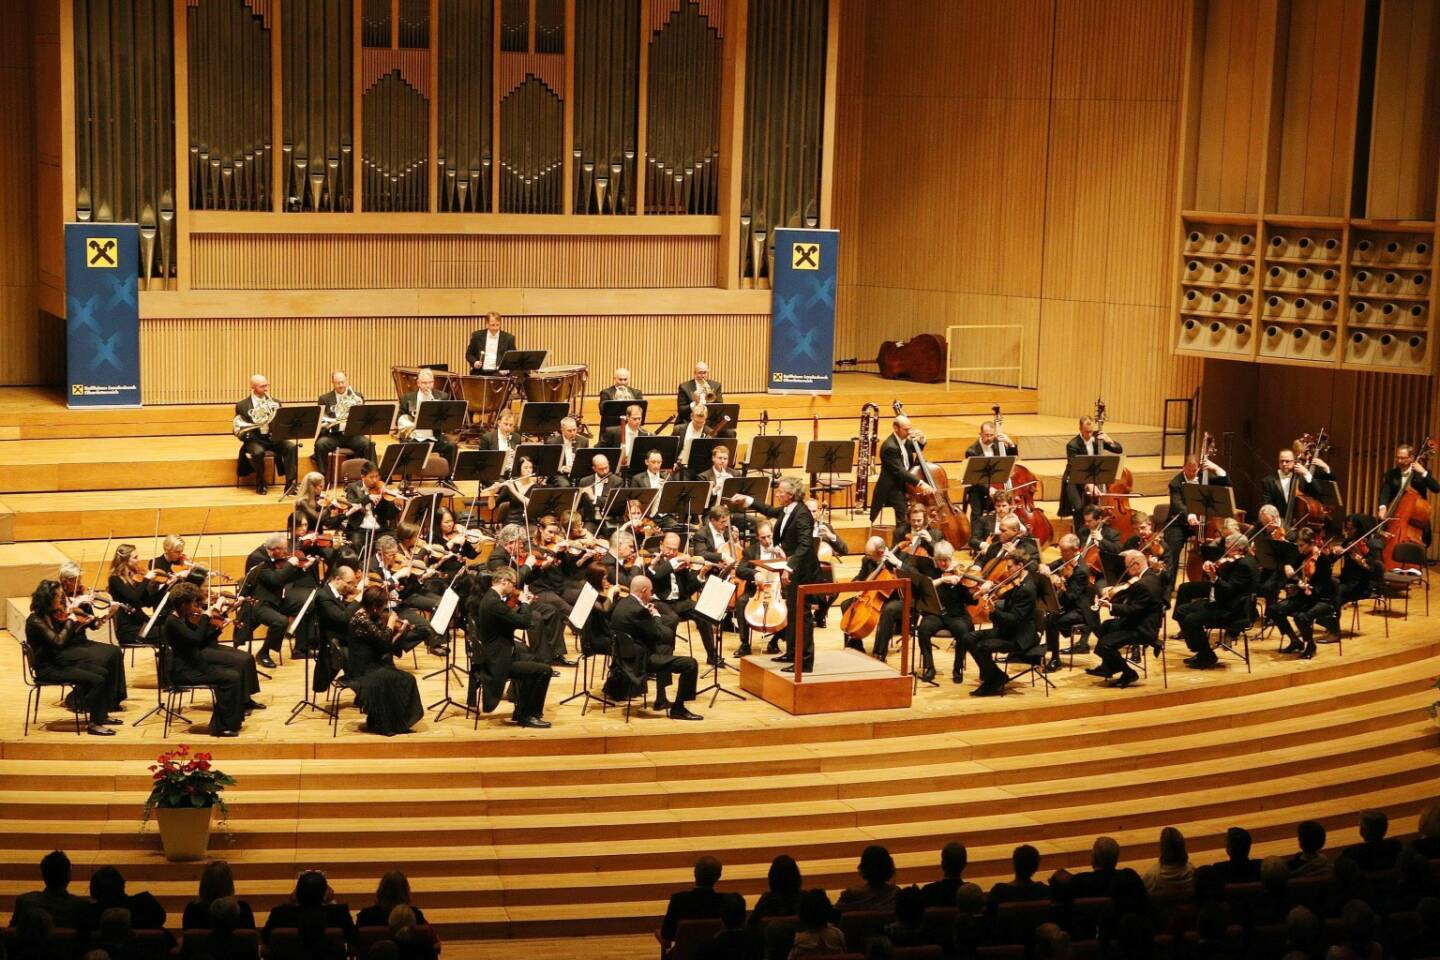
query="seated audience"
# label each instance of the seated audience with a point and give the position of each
(116, 936)
(55, 899)
(32, 935)
(1303, 932)
(392, 891)
(310, 910)
(908, 928)
(969, 930)
(107, 890)
(222, 942)
(701, 902)
(1172, 873)
(953, 859)
(734, 941)
(1271, 906)
(1051, 943)
(1428, 828)
(215, 882)
(1311, 860)
(782, 896)
(1238, 866)
(1415, 882)
(817, 936)
(1375, 851)
(411, 944)
(1106, 878)
(1358, 926)
(875, 891)
(1025, 860)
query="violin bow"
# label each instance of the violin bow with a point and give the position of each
(155, 544)
(100, 570)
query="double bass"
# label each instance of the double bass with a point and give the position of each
(1024, 487)
(1305, 510)
(1407, 517)
(1115, 499)
(952, 522)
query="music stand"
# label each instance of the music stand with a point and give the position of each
(986, 471)
(585, 465)
(522, 361)
(540, 418)
(1276, 554)
(684, 497)
(613, 411)
(756, 488)
(482, 466)
(773, 454)
(441, 416)
(715, 411)
(1208, 500)
(545, 457)
(669, 448)
(622, 497)
(1328, 493)
(549, 501)
(369, 419)
(408, 459)
(702, 452)
(828, 457)
(1087, 468)
(296, 424)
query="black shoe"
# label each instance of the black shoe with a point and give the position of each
(254, 705)
(1207, 663)
(533, 723)
(742, 650)
(1309, 652)
(927, 675)
(261, 489)
(661, 703)
(1081, 647)
(988, 690)
(809, 668)
(562, 662)
(820, 621)
(1102, 672)
(1126, 678)
(783, 658)
(678, 712)
(95, 730)
(265, 661)
(712, 661)
(1053, 665)
(435, 651)
(111, 722)
(1290, 646)
(225, 733)
(957, 678)
(772, 648)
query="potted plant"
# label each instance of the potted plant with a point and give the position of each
(183, 796)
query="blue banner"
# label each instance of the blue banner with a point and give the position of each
(102, 314)
(802, 310)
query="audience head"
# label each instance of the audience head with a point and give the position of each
(910, 906)
(784, 875)
(33, 927)
(732, 912)
(1172, 848)
(402, 922)
(224, 913)
(970, 899)
(1429, 824)
(1302, 929)
(1237, 843)
(393, 889)
(107, 885)
(55, 870)
(115, 925)
(310, 888)
(1026, 860)
(953, 859)
(877, 867)
(815, 909)
(1104, 853)
(1274, 873)
(1311, 836)
(707, 869)
(1051, 942)
(1358, 921)
(1374, 825)
(217, 881)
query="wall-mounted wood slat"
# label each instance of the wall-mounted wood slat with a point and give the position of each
(284, 349)
(1405, 134)
(229, 92)
(266, 262)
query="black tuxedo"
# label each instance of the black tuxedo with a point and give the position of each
(331, 617)
(1072, 495)
(685, 397)
(410, 405)
(1180, 531)
(894, 481)
(1390, 485)
(685, 585)
(498, 659)
(268, 580)
(1074, 602)
(604, 498)
(614, 437)
(954, 617)
(891, 611)
(1135, 618)
(655, 645)
(256, 443)
(1109, 542)
(1234, 590)
(978, 494)
(475, 351)
(577, 445)
(608, 394)
(1011, 630)
(795, 536)
(332, 438)
(1273, 494)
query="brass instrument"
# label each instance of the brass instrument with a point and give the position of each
(262, 411)
(342, 411)
(865, 455)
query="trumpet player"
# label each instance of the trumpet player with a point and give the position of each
(334, 419)
(1136, 608)
(699, 389)
(252, 427)
(424, 392)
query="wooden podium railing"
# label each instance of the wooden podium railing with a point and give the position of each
(808, 590)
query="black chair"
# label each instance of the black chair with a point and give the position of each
(174, 691)
(1412, 555)
(624, 649)
(1241, 625)
(585, 672)
(34, 694)
(339, 683)
(196, 943)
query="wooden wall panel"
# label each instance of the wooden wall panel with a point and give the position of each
(1405, 138)
(1230, 128)
(210, 361)
(309, 261)
(20, 341)
(1105, 50)
(1317, 133)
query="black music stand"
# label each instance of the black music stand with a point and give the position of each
(549, 501)
(687, 498)
(756, 488)
(772, 454)
(544, 457)
(702, 451)
(621, 498)
(717, 411)
(515, 366)
(296, 424)
(1208, 500)
(482, 466)
(441, 416)
(613, 411)
(406, 459)
(1275, 555)
(369, 419)
(987, 471)
(585, 462)
(1328, 493)
(669, 448)
(828, 457)
(1087, 468)
(540, 418)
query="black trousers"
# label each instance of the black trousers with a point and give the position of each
(684, 609)
(960, 628)
(889, 625)
(105, 657)
(787, 634)
(1304, 610)
(257, 444)
(91, 691)
(1115, 637)
(982, 645)
(275, 622)
(330, 441)
(1067, 620)
(1175, 539)
(228, 712)
(1195, 619)
(664, 665)
(240, 662)
(530, 681)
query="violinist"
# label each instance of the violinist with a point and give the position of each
(54, 638)
(954, 616)
(677, 582)
(640, 618)
(1270, 524)
(600, 489)
(621, 561)
(408, 582)
(409, 413)
(898, 454)
(188, 632)
(135, 588)
(1009, 541)
(1235, 576)
(461, 545)
(554, 580)
(828, 547)
(374, 508)
(595, 636)
(1095, 533)
(570, 442)
(1311, 599)
(269, 571)
(388, 696)
(322, 511)
(334, 435)
(1012, 626)
(992, 443)
(917, 547)
(1137, 608)
(1290, 478)
(1091, 441)
(794, 533)
(172, 556)
(1362, 571)
(493, 617)
(878, 556)
(533, 569)
(1145, 540)
(335, 603)
(638, 522)
(107, 657)
(1074, 594)
(1409, 471)
(982, 534)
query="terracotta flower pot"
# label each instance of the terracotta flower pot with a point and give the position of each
(185, 831)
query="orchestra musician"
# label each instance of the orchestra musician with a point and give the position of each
(269, 570)
(1157, 554)
(990, 444)
(794, 534)
(488, 347)
(188, 632)
(1290, 478)
(718, 473)
(334, 606)
(828, 546)
(409, 414)
(498, 659)
(109, 658)
(514, 494)
(1074, 595)
(1088, 442)
(982, 533)
(54, 636)
(954, 616)
(1362, 571)
(408, 584)
(898, 454)
(1311, 599)
(1407, 470)
(570, 442)
(600, 489)
(621, 388)
(1270, 524)
(1012, 628)
(320, 512)
(1235, 579)
(639, 618)
(388, 696)
(503, 438)
(373, 508)
(546, 622)
(676, 585)
(652, 477)
(918, 544)
(172, 554)
(1197, 470)
(252, 427)
(878, 555)
(1137, 608)
(700, 388)
(760, 549)
(690, 430)
(625, 433)
(1094, 531)
(136, 589)
(334, 418)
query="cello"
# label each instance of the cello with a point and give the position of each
(863, 616)
(1024, 487)
(955, 524)
(1115, 499)
(1407, 517)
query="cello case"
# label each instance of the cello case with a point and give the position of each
(921, 358)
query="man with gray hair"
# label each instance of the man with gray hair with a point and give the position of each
(1236, 578)
(269, 570)
(568, 439)
(794, 534)
(106, 657)
(1137, 607)
(638, 618)
(954, 616)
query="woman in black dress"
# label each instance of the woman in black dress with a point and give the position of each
(187, 633)
(133, 587)
(56, 642)
(389, 697)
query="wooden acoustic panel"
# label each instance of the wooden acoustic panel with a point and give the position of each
(1405, 135)
(303, 261)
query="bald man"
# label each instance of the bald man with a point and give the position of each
(622, 388)
(487, 347)
(898, 455)
(699, 388)
(252, 426)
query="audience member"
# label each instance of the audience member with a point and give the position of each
(1414, 882)
(215, 882)
(116, 935)
(383, 950)
(1303, 932)
(908, 928)
(782, 896)
(969, 929)
(310, 911)
(1357, 941)
(1375, 851)
(1238, 866)
(411, 943)
(107, 890)
(817, 936)
(1051, 943)
(702, 902)
(1211, 924)
(33, 928)
(392, 891)
(734, 941)
(1172, 873)
(1106, 878)
(953, 859)
(876, 891)
(1271, 905)
(1311, 860)
(64, 907)
(1025, 860)
(223, 919)
(1428, 828)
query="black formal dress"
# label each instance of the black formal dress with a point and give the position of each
(476, 351)
(57, 658)
(656, 649)
(136, 599)
(333, 438)
(498, 659)
(186, 643)
(388, 696)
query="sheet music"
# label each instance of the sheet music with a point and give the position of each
(444, 610)
(304, 609)
(715, 596)
(155, 617)
(580, 612)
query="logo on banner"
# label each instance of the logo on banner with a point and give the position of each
(805, 255)
(102, 252)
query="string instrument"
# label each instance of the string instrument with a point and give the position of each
(1407, 517)
(865, 453)
(766, 611)
(1024, 487)
(952, 522)
(863, 615)
(1093, 562)
(1005, 572)
(1105, 599)
(1115, 499)
(1305, 510)
(921, 359)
